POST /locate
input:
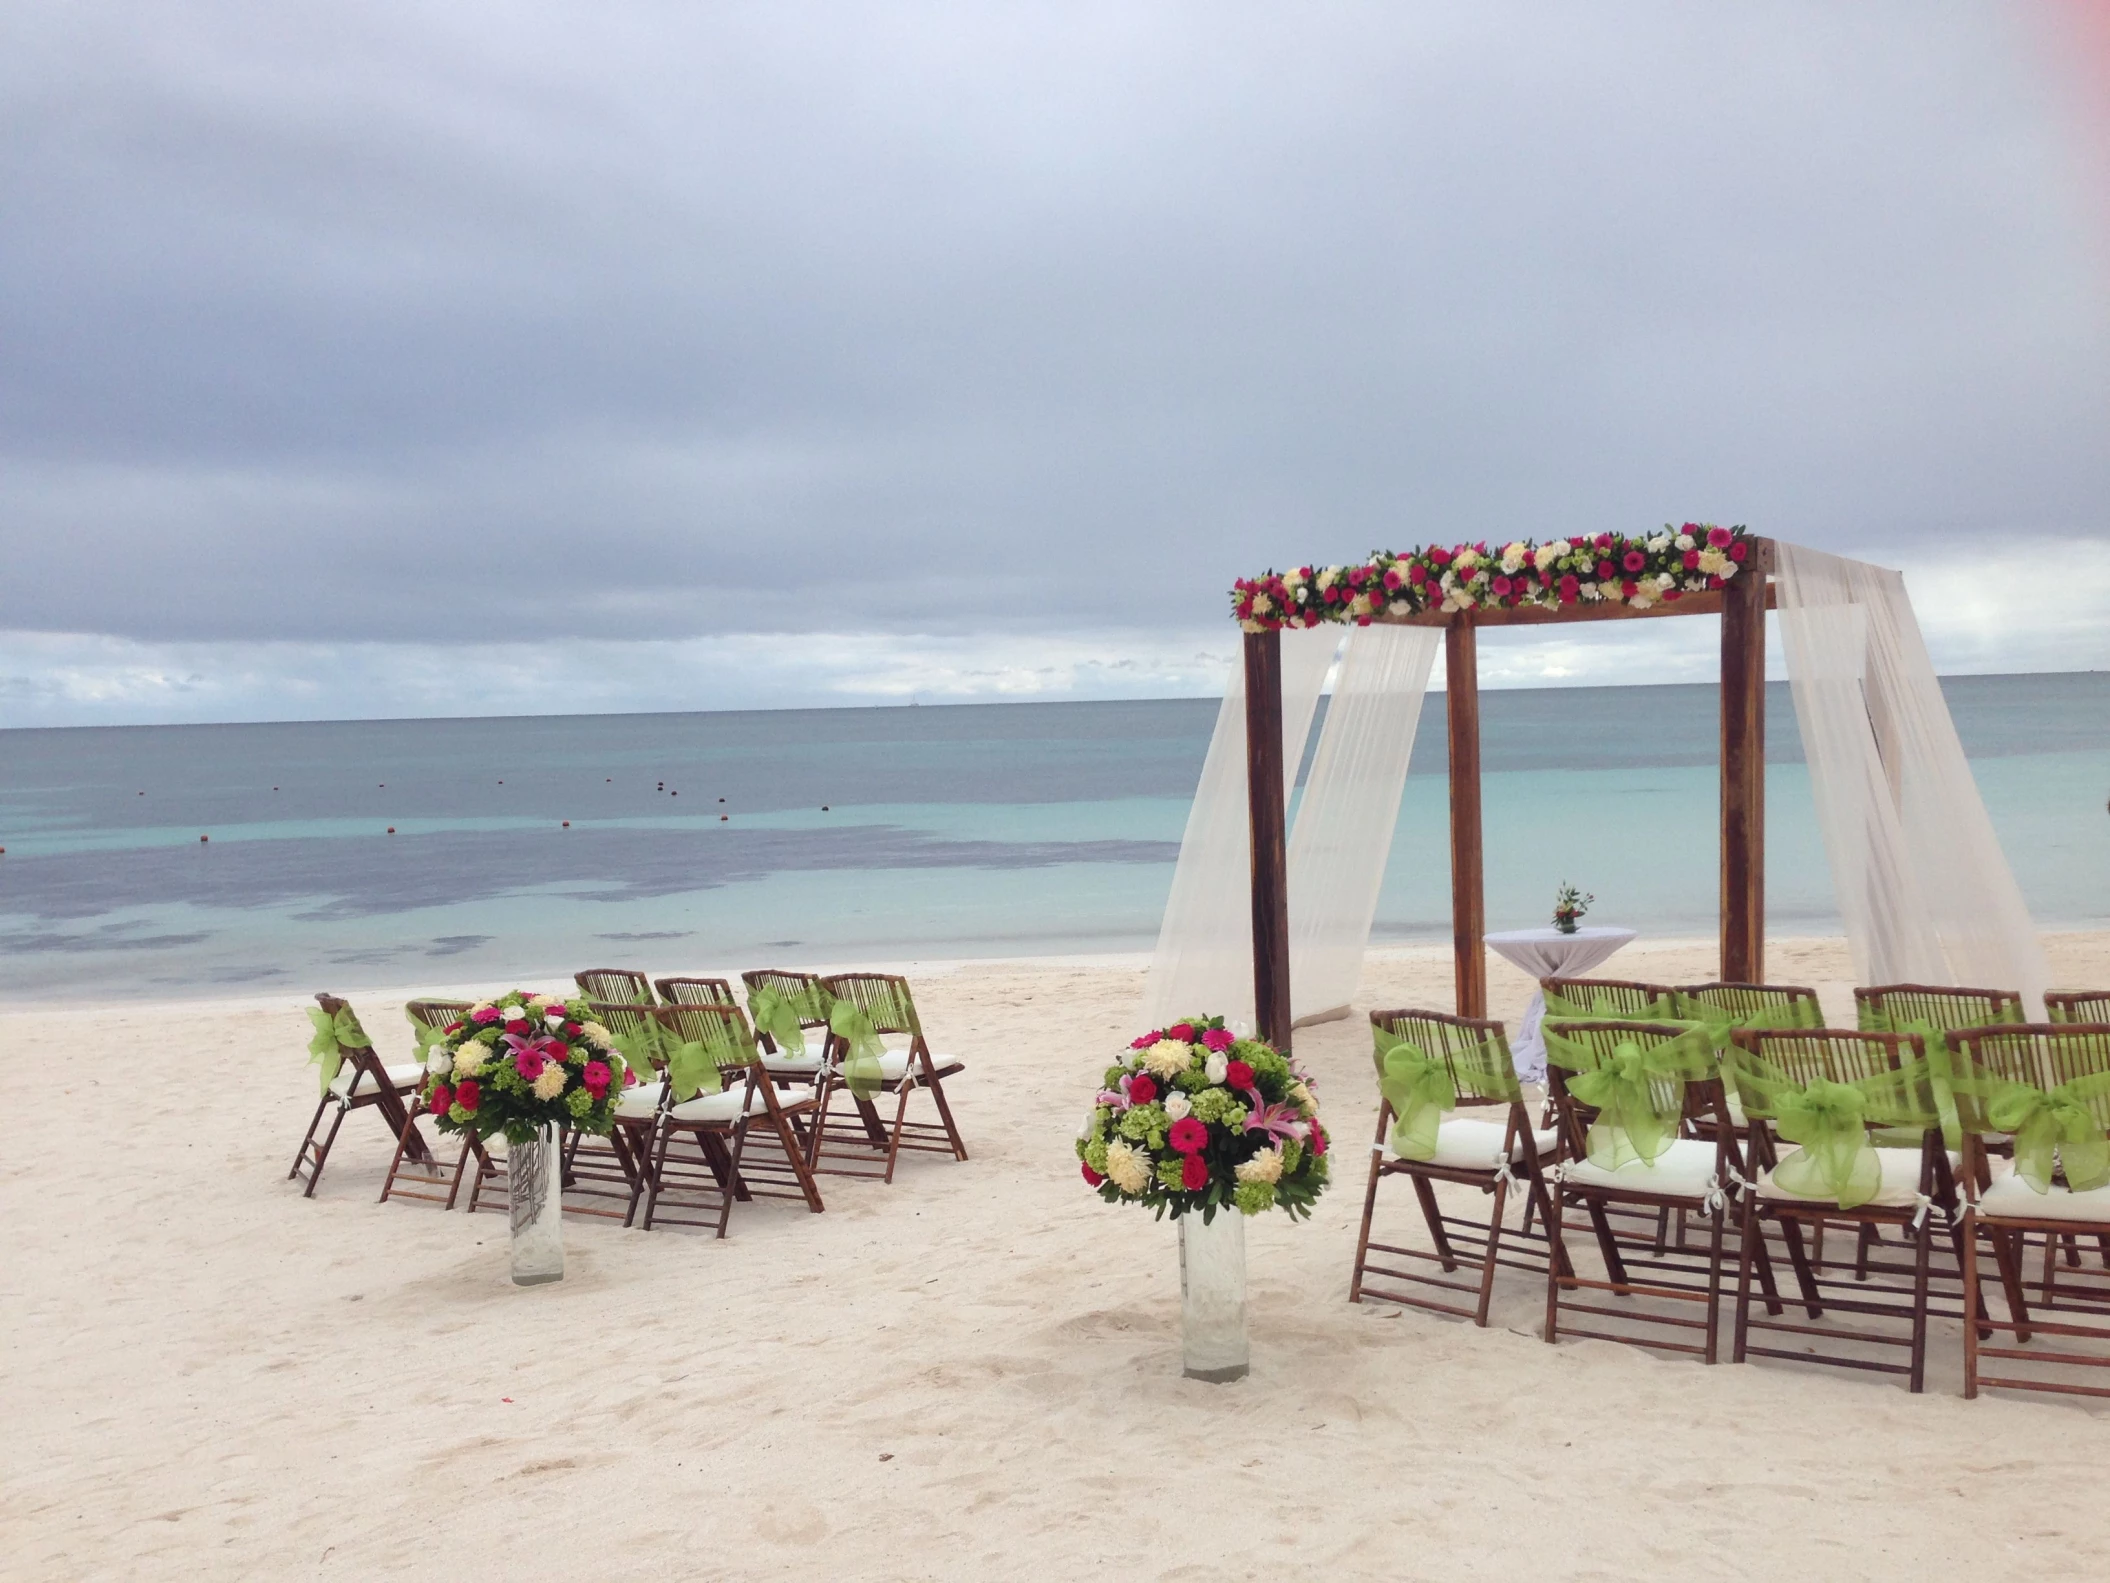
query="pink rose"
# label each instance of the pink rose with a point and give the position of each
(1091, 1176)
(1238, 1075)
(1142, 1089)
(1633, 560)
(1502, 587)
(1194, 1173)
(1569, 589)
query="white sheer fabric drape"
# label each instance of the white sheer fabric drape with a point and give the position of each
(1204, 959)
(1922, 884)
(1350, 807)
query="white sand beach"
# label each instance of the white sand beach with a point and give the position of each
(973, 1373)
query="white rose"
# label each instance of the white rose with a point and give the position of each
(1085, 1131)
(554, 1018)
(1683, 541)
(1659, 543)
(439, 1059)
(1217, 1066)
(1178, 1106)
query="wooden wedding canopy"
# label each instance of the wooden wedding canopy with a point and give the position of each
(1742, 604)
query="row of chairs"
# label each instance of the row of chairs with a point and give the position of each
(779, 1119)
(1935, 1205)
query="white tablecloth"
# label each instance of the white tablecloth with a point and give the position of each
(1547, 953)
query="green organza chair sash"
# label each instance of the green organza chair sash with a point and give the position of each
(1560, 1008)
(1941, 1060)
(691, 1064)
(333, 1036)
(1830, 1120)
(2053, 1129)
(778, 1015)
(1722, 1023)
(862, 1049)
(1422, 1088)
(1637, 1090)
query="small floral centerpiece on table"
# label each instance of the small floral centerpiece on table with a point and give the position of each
(1193, 1120)
(1569, 905)
(519, 1063)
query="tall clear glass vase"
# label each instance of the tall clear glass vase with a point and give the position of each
(1212, 1296)
(534, 1188)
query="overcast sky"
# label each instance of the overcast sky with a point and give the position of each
(483, 358)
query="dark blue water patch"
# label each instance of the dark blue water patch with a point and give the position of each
(456, 944)
(342, 878)
(630, 936)
(30, 941)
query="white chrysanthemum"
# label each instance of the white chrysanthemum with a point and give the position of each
(1302, 1095)
(551, 1081)
(1217, 1066)
(1513, 556)
(1712, 561)
(1127, 1166)
(1326, 578)
(1359, 605)
(439, 1059)
(1178, 1106)
(594, 1033)
(1549, 556)
(469, 1059)
(1266, 1166)
(1262, 605)
(1168, 1058)
(1465, 560)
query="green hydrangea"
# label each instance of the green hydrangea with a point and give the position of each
(1145, 1123)
(579, 1102)
(1253, 1198)
(1113, 1077)
(1169, 1170)
(1193, 1080)
(1215, 1105)
(1292, 1152)
(1268, 1066)
(1094, 1153)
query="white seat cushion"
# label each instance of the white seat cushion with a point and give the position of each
(2013, 1198)
(1900, 1187)
(723, 1106)
(1684, 1170)
(406, 1075)
(808, 1063)
(1470, 1145)
(638, 1103)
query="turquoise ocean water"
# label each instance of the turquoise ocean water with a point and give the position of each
(715, 841)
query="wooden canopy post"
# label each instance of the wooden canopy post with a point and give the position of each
(1461, 671)
(1264, 781)
(1744, 771)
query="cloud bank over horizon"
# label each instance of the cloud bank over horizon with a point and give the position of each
(473, 359)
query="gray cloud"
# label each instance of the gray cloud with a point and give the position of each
(691, 321)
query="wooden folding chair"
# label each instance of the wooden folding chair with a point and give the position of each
(2077, 1005)
(362, 1082)
(401, 1182)
(1916, 1188)
(1494, 1148)
(810, 995)
(616, 984)
(885, 999)
(1696, 1173)
(695, 992)
(704, 1156)
(2068, 1063)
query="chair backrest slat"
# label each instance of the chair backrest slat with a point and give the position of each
(806, 990)
(1624, 996)
(723, 1029)
(615, 984)
(695, 991)
(2077, 1005)
(1697, 1098)
(884, 997)
(1745, 1000)
(441, 1014)
(1941, 1006)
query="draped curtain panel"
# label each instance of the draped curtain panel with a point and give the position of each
(1350, 808)
(1921, 881)
(1204, 959)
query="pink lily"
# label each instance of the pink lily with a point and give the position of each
(1278, 1121)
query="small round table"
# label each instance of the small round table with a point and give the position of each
(1547, 953)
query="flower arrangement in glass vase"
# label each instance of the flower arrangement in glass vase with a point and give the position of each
(1193, 1119)
(1569, 905)
(519, 1063)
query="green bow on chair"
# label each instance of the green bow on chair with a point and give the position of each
(333, 1036)
(1419, 1089)
(1830, 1120)
(777, 1015)
(861, 1050)
(692, 1067)
(1632, 1123)
(2055, 1127)
(1721, 1023)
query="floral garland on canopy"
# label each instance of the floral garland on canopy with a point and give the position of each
(1193, 1119)
(1606, 569)
(519, 1063)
